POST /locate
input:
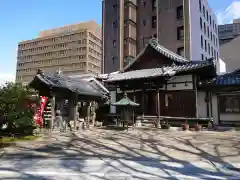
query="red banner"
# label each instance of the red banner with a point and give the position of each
(39, 112)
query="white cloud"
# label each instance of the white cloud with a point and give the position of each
(230, 13)
(4, 77)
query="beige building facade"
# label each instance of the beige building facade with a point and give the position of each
(186, 27)
(74, 49)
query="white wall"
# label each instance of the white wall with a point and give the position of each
(230, 117)
(112, 100)
(171, 87)
(202, 105)
(220, 66)
(196, 32)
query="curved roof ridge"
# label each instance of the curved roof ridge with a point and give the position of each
(154, 43)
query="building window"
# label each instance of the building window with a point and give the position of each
(180, 33)
(207, 15)
(204, 27)
(144, 3)
(114, 43)
(114, 6)
(154, 4)
(209, 51)
(154, 21)
(201, 41)
(114, 24)
(144, 22)
(180, 51)
(202, 56)
(180, 12)
(208, 32)
(200, 5)
(201, 23)
(114, 60)
(210, 20)
(204, 11)
(212, 51)
(205, 45)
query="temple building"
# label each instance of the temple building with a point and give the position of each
(167, 85)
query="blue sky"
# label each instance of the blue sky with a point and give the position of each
(23, 19)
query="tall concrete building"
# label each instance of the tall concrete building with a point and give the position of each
(73, 49)
(186, 27)
(229, 40)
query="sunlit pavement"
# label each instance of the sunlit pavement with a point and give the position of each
(107, 154)
(112, 169)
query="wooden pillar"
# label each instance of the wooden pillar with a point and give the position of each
(134, 100)
(158, 109)
(143, 107)
(196, 95)
(75, 109)
(52, 112)
(88, 114)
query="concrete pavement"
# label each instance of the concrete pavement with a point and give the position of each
(98, 168)
(138, 154)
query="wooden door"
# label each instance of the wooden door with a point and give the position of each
(180, 104)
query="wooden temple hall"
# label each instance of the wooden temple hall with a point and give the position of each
(72, 101)
(166, 85)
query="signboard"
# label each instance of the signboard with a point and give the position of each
(229, 104)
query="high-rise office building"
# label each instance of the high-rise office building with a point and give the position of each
(186, 27)
(229, 40)
(73, 49)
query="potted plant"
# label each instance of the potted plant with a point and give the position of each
(197, 127)
(185, 126)
(165, 125)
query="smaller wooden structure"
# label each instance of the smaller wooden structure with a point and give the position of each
(127, 108)
(60, 88)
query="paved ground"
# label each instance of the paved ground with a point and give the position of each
(138, 154)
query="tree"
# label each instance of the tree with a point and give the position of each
(15, 108)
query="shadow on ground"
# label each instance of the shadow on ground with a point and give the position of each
(139, 154)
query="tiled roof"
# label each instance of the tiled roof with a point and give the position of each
(154, 43)
(156, 72)
(56, 80)
(232, 78)
(162, 50)
(125, 101)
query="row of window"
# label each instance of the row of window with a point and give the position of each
(54, 53)
(143, 2)
(207, 15)
(94, 45)
(51, 47)
(94, 60)
(55, 61)
(208, 48)
(35, 59)
(48, 41)
(60, 53)
(207, 31)
(58, 46)
(94, 52)
(80, 65)
(60, 40)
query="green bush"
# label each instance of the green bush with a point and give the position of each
(15, 101)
